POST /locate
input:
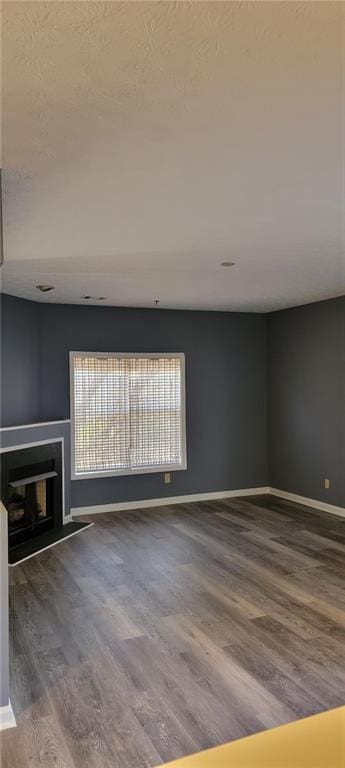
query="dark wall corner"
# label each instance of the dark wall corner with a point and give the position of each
(306, 397)
(20, 369)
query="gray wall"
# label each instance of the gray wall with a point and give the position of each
(227, 385)
(306, 395)
(20, 373)
(226, 391)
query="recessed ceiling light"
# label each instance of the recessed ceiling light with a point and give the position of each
(95, 298)
(45, 288)
(227, 264)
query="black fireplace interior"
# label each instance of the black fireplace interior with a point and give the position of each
(31, 489)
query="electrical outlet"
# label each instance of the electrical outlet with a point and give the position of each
(167, 477)
(327, 482)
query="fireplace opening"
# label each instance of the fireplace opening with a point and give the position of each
(29, 501)
(31, 489)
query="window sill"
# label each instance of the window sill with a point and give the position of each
(129, 473)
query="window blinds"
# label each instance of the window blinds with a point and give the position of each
(127, 413)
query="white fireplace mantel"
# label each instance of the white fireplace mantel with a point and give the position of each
(36, 424)
(40, 433)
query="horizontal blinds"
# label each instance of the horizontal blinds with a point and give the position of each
(127, 413)
(101, 414)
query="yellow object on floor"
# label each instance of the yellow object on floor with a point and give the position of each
(315, 742)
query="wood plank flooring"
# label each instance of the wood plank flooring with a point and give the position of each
(158, 633)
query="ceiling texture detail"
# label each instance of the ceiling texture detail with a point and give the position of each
(145, 143)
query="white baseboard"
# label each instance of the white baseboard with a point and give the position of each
(7, 718)
(67, 519)
(321, 505)
(121, 506)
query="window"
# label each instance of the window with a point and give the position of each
(127, 413)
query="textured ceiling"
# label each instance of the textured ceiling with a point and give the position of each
(145, 143)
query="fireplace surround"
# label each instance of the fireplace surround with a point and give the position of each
(30, 455)
(31, 490)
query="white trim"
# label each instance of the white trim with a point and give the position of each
(321, 505)
(37, 424)
(31, 445)
(159, 469)
(121, 506)
(68, 519)
(59, 541)
(7, 718)
(46, 442)
(63, 481)
(127, 472)
(4, 609)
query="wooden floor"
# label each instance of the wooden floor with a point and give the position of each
(158, 633)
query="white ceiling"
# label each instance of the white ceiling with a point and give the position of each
(145, 143)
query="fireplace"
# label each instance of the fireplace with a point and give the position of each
(31, 490)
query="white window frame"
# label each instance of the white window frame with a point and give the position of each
(142, 470)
